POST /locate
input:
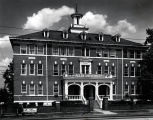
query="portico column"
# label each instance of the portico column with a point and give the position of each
(96, 90)
(66, 89)
(81, 89)
(111, 91)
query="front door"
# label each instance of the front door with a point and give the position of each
(89, 91)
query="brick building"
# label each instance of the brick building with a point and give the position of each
(74, 65)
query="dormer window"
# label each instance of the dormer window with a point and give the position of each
(83, 35)
(101, 37)
(117, 37)
(65, 34)
(46, 33)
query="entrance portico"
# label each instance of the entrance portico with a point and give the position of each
(84, 86)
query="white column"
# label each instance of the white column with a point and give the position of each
(66, 89)
(111, 90)
(96, 90)
(81, 89)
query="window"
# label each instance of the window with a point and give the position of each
(63, 69)
(99, 52)
(63, 51)
(126, 89)
(32, 69)
(132, 72)
(40, 69)
(56, 89)
(40, 89)
(138, 54)
(55, 69)
(40, 50)
(85, 52)
(125, 53)
(112, 53)
(114, 89)
(23, 69)
(31, 49)
(106, 70)
(105, 53)
(113, 71)
(132, 89)
(32, 89)
(23, 88)
(85, 69)
(23, 49)
(70, 72)
(138, 71)
(126, 71)
(55, 51)
(101, 37)
(71, 51)
(131, 53)
(99, 69)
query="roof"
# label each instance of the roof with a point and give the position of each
(75, 37)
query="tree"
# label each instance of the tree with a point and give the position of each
(4, 95)
(8, 76)
(145, 83)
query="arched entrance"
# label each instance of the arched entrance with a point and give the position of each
(74, 90)
(104, 90)
(89, 91)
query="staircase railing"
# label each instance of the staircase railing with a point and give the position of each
(99, 101)
(84, 100)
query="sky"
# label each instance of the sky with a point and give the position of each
(130, 18)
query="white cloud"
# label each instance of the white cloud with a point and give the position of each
(4, 41)
(47, 17)
(5, 61)
(98, 23)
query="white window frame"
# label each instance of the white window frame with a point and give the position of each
(30, 69)
(38, 89)
(99, 51)
(38, 50)
(54, 47)
(55, 92)
(124, 71)
(22, 48)
(69, 69)
(25, 69)
(57, 69)
(108, 69)
(22, 89)
(64, 48)
(30, 49)
(30, 90)
(38, 70)
(134, 90)
(126, 92)
(85, 63)
(114, 71)
(85, 52)
(100, 68)
(69, 51)
(133, 71)
(61, 69)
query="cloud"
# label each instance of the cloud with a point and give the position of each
(4, 41)
(47, 17)
(5, 61)
(98, 23)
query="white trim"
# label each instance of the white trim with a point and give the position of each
(85, 63)
(32, 101)
(133, 71)
(63, 69)
(77, 56)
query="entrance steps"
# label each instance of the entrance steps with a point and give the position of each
(96, 105)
